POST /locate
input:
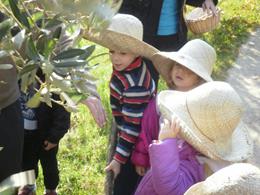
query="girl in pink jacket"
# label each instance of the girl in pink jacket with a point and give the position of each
(183, 70)
(201, 124)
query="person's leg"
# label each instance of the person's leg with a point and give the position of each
(127, 180)
(50, 169)
(31, 150)
(11, 139)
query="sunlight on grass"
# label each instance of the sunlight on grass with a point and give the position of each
(238, 19)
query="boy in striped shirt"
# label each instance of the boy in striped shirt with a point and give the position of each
(131, 88)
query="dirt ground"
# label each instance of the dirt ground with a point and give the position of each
(244, 76)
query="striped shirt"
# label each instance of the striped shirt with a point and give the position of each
(130, 92)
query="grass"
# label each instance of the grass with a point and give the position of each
(82, 156)
(238, 19)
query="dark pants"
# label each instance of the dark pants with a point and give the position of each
(127, 180)
(11, 139)
(167, 43)
(34, 152)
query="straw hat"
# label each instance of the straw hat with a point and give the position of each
(196, 55)
(239, 178)
(210, 117)
(125, 34)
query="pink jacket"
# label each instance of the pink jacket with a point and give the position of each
(149, 132)
(174, 168)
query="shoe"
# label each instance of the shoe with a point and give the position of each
(50, 192)
(27, 190)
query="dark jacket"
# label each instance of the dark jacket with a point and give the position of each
(53, 122)
(148, 11)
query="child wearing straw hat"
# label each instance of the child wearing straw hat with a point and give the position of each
(204, 122)
(131, 88)
(239, 178)
(182, 70)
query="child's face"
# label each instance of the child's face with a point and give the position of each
(121, 60)
(183, 78)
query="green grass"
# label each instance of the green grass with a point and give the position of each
(238, 19)
(82, 156)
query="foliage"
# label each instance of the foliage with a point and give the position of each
(238, 19)
(86, 166)
(82, 155)
(44, 35)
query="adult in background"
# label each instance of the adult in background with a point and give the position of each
(11, 123)
(163, 21)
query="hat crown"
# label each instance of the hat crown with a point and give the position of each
(238, 178)
(210, 119)
(201, 52)
(216, 110)
(128, 25)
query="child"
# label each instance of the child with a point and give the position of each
(44, 127)
(239, 178)
(131, 88)
(203, 121)
(183, 70)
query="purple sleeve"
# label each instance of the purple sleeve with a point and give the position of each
(170, 175)
(149, 132)
(140, 154)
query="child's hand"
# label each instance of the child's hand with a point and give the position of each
(96, 108)
(115, 167)
(48, 145)
(169, 129)
(140, 170)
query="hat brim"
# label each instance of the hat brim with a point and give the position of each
(238, 178)
(164, 61)
(121, 42)
(196, 189)
(173, 104)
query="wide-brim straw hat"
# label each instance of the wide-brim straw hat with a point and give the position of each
(196, 55)
(210, 118)
(125, 34)
(239, 178)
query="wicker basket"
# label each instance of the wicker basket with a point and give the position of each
(199, 21)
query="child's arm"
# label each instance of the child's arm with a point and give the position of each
(96, 108)
(170, 173)
(132, 110)
(149, 132)
(60, 122)
(140, 156)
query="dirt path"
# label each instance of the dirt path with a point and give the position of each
(244, 76)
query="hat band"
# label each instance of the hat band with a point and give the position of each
(187, 107)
